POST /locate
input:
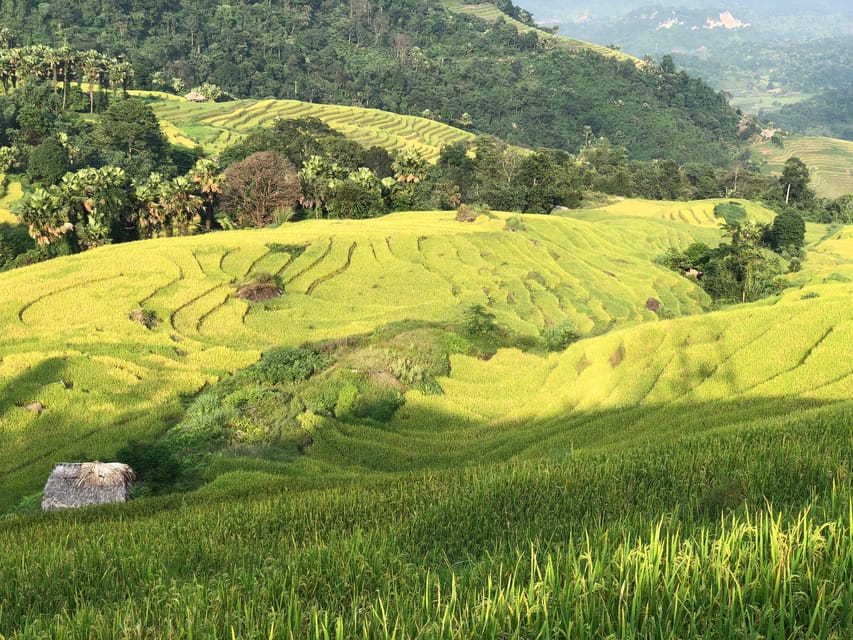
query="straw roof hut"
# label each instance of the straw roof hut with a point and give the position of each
(80, 484)
(195, 96)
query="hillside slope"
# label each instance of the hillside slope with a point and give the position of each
(102, 379)
(406, 57)
(695, 466)
(830, 162)
(215, 126)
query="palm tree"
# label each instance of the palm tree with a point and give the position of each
(149, 212)
(43, 212)
(16, 63)
(6, 36)
(206, 175)
(183, 205)
(52, 59)
(92, 63)
(120, 74)
(67, 59)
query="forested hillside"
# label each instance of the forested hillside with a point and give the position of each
(406, 56)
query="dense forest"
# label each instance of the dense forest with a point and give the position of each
(828, 113)
(408, 56)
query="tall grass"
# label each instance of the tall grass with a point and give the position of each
(650, 544)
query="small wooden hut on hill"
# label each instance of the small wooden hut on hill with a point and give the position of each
(80, 484)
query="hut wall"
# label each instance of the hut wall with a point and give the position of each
(62, 491)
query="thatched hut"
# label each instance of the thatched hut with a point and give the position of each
(195, 96)
(80, 484)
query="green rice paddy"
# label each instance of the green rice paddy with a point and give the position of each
(675, 473)
(830, 162)
(214, 126)
(14, 192)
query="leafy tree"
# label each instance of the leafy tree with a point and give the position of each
(795, 182)
(48, 162)
(457, 167)
(788, 231)
(130, 136)
(260, 189)
(358, 196)
(379, 161)
(496, 169)
(131, 127)
(548, 179)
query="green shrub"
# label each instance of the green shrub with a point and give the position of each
(514, 223)
(48, 162)
(788, 231)
(558, 337)
(287, 365)
(731, 212)
(478, 321)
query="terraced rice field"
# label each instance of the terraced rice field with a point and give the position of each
(829, 160)
(695, 466)
(214, 126)
(694, 213)
(101, 378)
(630, 386)
(490, 12)
(14, 192)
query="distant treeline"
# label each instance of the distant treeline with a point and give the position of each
(829, 113)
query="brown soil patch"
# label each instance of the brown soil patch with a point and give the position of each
(147, 319)
(618, 356)
(258, 291)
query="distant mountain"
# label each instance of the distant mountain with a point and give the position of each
(406, 56)
(745, 47)
(765, 12)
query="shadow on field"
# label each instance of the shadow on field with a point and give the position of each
(25, 388)
(422, 440)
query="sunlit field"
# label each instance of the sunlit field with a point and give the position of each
(830, 162)
(675, 472)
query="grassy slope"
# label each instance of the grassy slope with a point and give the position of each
(829, 160)
(14, 192)
(66, 320)
(69, 344)
(214, 126)
(636, 439)
(490, 12)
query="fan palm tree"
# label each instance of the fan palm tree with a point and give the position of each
(67, 59)
(93, 65)
(52, 60)
(120, 74)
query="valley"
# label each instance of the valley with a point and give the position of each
(418, 320)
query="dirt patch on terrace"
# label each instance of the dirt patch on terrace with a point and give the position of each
(258, 291)
(147, 319)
